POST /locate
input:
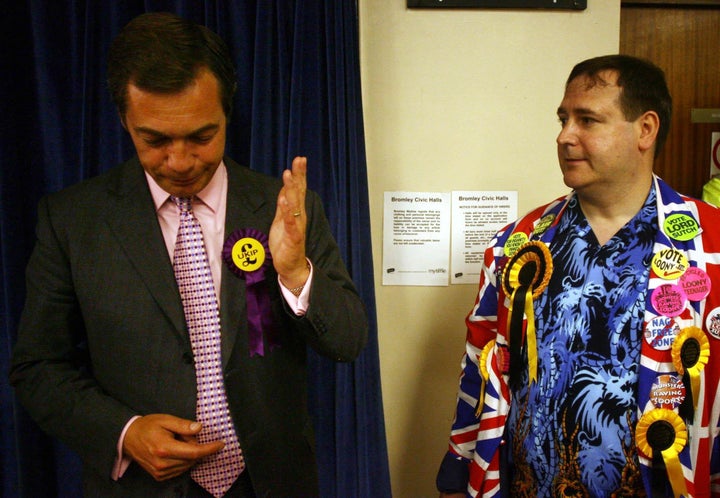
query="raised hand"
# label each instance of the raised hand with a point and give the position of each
(287, 233)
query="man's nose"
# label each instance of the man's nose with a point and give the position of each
(178, 155)
(567, 134)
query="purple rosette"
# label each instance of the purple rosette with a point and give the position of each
(243, 262)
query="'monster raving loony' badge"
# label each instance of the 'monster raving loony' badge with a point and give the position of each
(668, 391)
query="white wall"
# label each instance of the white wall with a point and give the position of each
(456, 100)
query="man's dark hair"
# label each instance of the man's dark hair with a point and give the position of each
(643, 87)
(161, 52)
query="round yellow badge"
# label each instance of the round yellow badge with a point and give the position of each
(669, 263)
(514, 242)
(248, 254)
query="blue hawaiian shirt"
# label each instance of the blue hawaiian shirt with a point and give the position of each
(579, 436)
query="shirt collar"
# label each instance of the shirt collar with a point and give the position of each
(211, 195)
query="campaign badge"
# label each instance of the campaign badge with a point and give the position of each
(712, 323)
(543, 224)
(248, 254)
(514, 242)
(669, 264)
(668, 391)
(668, 299)
(681, 227)
(660, 332)
(696, 283)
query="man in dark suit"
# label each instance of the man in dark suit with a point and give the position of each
(104, 359)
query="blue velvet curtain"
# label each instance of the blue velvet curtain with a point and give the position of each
(298, 93)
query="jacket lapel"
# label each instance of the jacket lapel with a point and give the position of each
(133, 219)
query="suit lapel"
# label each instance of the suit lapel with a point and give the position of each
(133, 219)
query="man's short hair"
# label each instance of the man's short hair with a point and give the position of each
(161, 52)
(643, 87)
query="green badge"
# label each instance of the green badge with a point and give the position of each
(681, 227)
(543, 224)
(514, 242)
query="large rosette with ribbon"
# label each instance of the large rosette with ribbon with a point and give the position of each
(525, 277)
(661, 435)
(690, 354)
(247, 254)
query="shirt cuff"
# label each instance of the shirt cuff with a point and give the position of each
(298, 304)
(453, 475)
(121, 461)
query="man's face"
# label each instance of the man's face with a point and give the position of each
(179, 137)
(597, 146)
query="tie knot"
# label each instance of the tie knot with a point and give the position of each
(183, 203)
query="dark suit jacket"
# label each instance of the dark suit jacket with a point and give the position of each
(100, 277)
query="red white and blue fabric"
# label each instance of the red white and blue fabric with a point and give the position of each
(216, 473)
(477, 440)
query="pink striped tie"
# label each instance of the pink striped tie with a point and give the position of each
(216, 473)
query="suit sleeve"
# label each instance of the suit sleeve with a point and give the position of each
(50, 368)
(336, 323)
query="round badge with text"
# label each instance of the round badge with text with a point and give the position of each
(669, 264)
(668, 391)
(544, 223)
(668, 299)
(660, 332)
(514, 242)
(248, 254)
(681, 227)
(696, 283)
(712, 323)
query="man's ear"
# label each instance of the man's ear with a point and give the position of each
(122, 121)
(649, 125)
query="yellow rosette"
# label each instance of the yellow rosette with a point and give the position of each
(690, 354)
(525, 277)
(484, 375)
(661, 435)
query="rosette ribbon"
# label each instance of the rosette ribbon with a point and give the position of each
(484, 375)
(524, 278)
(661, 435)
(690, 353)
(247, 254)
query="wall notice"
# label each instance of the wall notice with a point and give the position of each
(416, 238)
(476, 216)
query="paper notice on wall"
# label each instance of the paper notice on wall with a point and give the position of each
(416, 238)
(476, 217)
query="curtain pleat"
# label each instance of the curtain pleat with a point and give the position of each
(298, 94)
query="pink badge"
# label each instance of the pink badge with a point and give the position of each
(668, 299)
(696, 284)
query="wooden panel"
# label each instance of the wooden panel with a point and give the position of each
(685, 43)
